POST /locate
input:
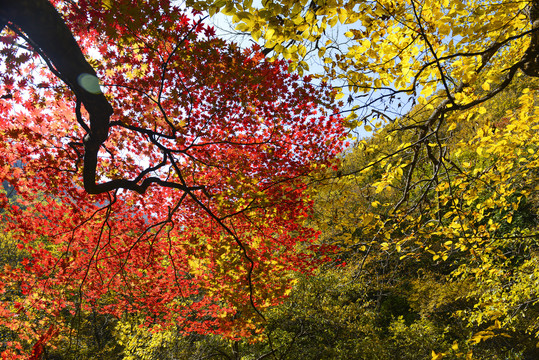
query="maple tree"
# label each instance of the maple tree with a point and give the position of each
(197, 153)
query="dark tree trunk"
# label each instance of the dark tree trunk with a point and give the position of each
(51, 37)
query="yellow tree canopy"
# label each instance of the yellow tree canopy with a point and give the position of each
(385, 53)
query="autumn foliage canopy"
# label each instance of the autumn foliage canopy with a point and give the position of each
(208, 153)
(167, 194)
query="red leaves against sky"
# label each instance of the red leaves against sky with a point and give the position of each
(189, 109)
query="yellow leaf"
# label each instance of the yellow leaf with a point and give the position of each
(436, 356)
(343, 15)
(256, 35)
(242, 27)
(107, 4)
(229, 9)
(269, 34)
(367, 219)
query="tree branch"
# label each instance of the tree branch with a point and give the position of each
(51, 37)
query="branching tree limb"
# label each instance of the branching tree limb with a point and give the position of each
(51, 37)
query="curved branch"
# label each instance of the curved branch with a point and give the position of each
(54, 41)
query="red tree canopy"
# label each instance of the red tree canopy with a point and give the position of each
(201, 174)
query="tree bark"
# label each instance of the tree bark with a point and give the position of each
(49, 34)
(530, 64)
